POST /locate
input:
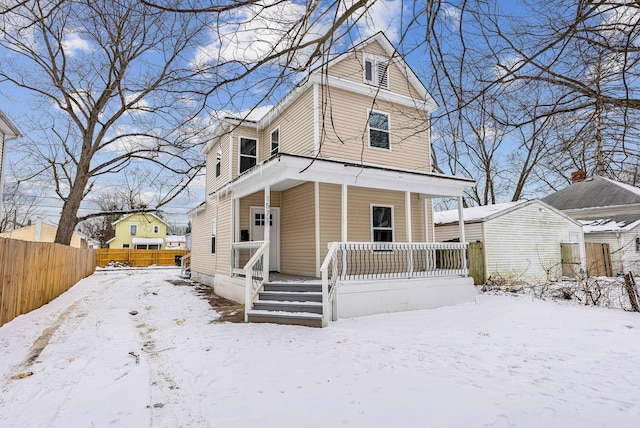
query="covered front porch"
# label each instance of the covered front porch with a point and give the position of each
(364, 232)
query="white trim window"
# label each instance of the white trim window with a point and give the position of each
(214, 230)
(378, 124)
(156, 229)
(218, 162)
(133, 229)
(382, 223)
(275, 141)
(376, 71)
(126, 246)
(248, 153)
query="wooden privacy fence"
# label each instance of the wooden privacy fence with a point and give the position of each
(139, 258)
(34, 273)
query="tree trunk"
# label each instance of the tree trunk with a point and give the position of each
(69, 214)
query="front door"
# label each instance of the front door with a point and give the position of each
(257, 233)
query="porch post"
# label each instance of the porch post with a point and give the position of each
(407, 216)
(343, 236)
(267, 231)
(463, 239)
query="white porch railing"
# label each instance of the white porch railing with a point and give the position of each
(253, 271)
(348, 261)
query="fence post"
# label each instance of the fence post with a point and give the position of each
(632, 291)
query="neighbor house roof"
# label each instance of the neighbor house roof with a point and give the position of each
(488, 212)
(614, 224)
(7, 128)
(143, 213)
(594, 192)
(475, 214)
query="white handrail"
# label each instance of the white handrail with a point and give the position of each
(327, 297)
(249, 292)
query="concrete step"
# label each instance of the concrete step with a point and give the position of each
(291, 296)
(284, 306)
(293, 286)
(289, 318)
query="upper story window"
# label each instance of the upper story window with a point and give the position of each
(218, 162)
(382, 223)
(156, 228)
(378, 130)
(133, 229)
(376, 71)
(248, 153)
(275, 141)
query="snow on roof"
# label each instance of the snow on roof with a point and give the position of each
(147, 241)
(607, 225)
(252, 114)
(176, 238)
(473, 213)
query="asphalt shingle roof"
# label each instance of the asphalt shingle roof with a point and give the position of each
(594, 192)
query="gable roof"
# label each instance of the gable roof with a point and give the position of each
(140, 213)
(489, 212)
(261, 117)
(594, 192)
(7, 128)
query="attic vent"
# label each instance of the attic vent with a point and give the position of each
(376, 71)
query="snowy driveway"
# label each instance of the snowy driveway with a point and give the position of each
(85, 361)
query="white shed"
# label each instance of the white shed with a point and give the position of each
(622, 234)
(524, 241)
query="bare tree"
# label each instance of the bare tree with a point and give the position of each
(129, 83)
(18, 207)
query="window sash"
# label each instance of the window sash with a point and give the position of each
(248, 153)
(379, 130)
(382, 223)
(133, 229)
(275, 141)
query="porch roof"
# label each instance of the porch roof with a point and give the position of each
(147, 241)
(286, 171)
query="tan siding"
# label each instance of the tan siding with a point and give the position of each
(212, 182)
(202, 261)
(297, 243)
(359, 212)
(351, 68)
(330, 216)
(223, 236)
(346, 135)
(296, 127)
(417, 218)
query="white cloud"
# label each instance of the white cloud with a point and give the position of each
(73, 43)
(383, 15)
(507, 65)
(256, 32)
(451, 13)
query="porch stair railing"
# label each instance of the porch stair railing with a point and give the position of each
(254, 276)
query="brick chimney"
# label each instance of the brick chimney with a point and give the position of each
(578, 176)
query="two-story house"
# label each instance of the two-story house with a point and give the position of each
(140, 231)
(333, 182)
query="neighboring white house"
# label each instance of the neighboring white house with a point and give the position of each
(521, 241)
(610, 213)
(8, 131)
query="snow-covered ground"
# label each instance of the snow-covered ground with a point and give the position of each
(508, 361)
